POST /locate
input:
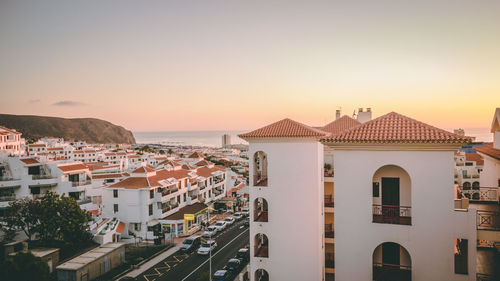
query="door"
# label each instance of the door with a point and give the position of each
(390, 199)
(390, 253)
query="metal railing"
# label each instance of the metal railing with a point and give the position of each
(392, 214)
(259, 180)
(80, 183)
(488, 220)
(260, 215)
(385, 271)
(42, 177)
(329, 201)
(480, 193)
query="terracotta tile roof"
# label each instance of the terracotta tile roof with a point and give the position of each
(340, 125)
(206, 172)
(488, 149)
(37, 145)
(474, 157)
(107, 176)
(203, 163)
(189, 209)
(142, 170)
(9, 130)
(55, 149)
(195, 155)
(396, 128)
(285, 128)
(133, 183)
(72, 167)
(120, 227)
(29, 161)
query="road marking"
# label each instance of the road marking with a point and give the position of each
(213, 255)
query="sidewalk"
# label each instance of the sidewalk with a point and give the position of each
(147, 265)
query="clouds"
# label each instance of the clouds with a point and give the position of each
(69, 103)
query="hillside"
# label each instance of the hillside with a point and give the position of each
(90, 130)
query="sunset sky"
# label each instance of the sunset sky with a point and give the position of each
(212, 65)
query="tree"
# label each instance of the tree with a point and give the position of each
(73, 223)
(162, 152)
(49, 217)
(170, 151)
(23, 215)
(24, 267)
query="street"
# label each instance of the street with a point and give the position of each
(188, 266)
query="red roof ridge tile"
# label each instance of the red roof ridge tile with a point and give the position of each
(284, 128)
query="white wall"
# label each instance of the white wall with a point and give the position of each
(435, 224)
(295, 201)
(490, 173)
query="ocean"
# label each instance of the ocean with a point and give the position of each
(194, 138)
(214, 138)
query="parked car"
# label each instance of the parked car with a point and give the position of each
(237, 216)
(210, 232)
(190, 243)
(229, 220)
(233, 265)
(207, 247)
(247, 222)
(220, 225)
(243, 255)
(221, 275)
(245, 212)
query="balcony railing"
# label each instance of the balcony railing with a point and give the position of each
(329, 201)
(84, 201)
(488, 220)
(485, 277)
(259, 181)
(390, 272)
(392, 214)
(329, 261)
(218, 180)
(466, 176)
(42, 177)
(480, 193)
(260, 216)
(261, 251)
(80, 183)
(329, 233)
(6, 198)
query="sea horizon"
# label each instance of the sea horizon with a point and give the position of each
(213, 138)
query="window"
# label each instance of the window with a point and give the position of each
(184, 197)
(115, 193)
(150, 209)
(137, 226)
(376, 190)
(461, 253)
(151, 193)
(178, 199)
(115, 208)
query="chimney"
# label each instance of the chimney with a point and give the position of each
(364, 116)
(337, 114)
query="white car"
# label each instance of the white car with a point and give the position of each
(220, 225)
(237, 216)
(210, 231)
(244, 213)
(206, 247)
(229, 220)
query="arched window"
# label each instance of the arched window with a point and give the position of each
(391, 195)
(475, 185)
(261, 275)
(261, 248)
(260, 210)
(260, 169)
(466, 185)
(391, 261)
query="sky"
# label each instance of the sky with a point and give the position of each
(237, 65)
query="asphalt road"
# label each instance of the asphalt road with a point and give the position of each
(188, 267)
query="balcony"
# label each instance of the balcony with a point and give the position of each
(218, 180)
(329, 233)
(488, 194)
(259, 181)
(42, 177)
(488, 220)
(7, 178)
(202, 186)
(392, 214)
(329, 201)
(466, 176)
(390, 272)
(83, 201)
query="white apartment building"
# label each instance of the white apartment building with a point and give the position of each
(490, 176)
(394, 215)
(28, 177)
(11, 142)
(150, 195)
